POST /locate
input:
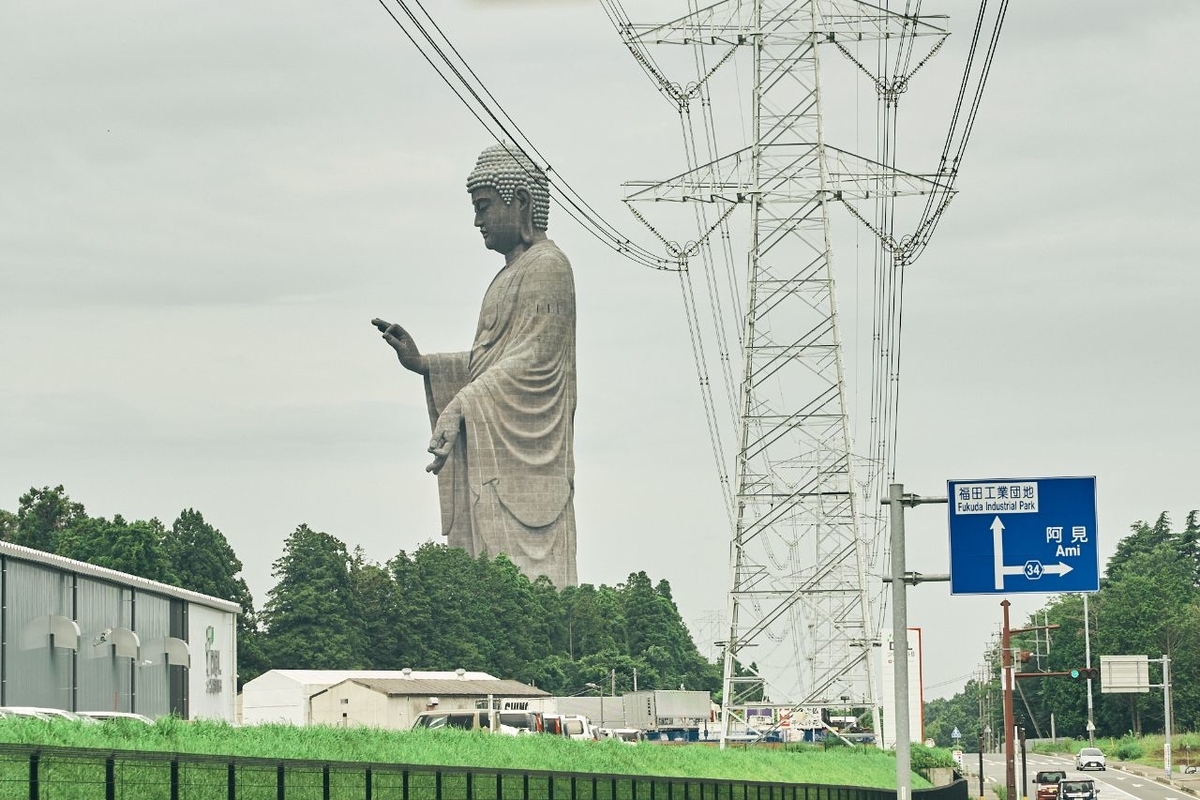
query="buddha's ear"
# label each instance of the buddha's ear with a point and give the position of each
(524, 201)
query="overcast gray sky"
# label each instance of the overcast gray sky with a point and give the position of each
(202, 205)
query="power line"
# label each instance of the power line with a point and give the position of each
(466, 85)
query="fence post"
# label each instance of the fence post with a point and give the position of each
(404, 785)
(499, 784)
(174, 779)
(110, 779)
(34, 783)
(280, 782)
(231, 780)
(325, 782)
(368, 789)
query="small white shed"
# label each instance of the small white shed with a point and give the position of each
(394, 703)
(283, 695)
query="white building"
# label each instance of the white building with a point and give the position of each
(88, 638)
(379, 698)
(394, 703)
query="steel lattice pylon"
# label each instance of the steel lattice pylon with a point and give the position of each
(800, 594)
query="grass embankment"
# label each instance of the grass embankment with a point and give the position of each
(842, 766)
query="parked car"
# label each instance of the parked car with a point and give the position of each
(626, 735)
(1077, 790)
(1047, 783)
(38, 712)
(1090, 758)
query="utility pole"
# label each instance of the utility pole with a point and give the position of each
(1087, 662)
(1006, 681)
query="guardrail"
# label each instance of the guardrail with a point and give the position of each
(29, 772)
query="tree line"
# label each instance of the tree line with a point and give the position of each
(1148, 605)
(433, 609)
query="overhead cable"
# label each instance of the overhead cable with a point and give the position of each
(457, 74)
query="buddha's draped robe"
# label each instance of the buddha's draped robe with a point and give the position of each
(508, 485)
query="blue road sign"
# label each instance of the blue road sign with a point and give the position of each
(1023, 535)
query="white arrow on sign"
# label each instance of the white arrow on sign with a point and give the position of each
(1036, 569)
(1030, 569)
(998, 552)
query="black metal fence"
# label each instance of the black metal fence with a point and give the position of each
(58, 773)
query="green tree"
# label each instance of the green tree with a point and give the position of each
(443, 609)
(591, 618)
(43, 515)
(376, 597)
(8, 525)
(311, 619)
(202, 561)
(657, 638)
(137, 548)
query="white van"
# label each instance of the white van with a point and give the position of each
(466, 719)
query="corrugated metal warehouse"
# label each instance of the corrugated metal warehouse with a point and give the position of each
(86, 638)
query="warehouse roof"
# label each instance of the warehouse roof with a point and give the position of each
(451, 687)
(16, 551)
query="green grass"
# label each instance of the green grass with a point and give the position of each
(843, 766)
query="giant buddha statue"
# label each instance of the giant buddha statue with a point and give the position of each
(503, 412)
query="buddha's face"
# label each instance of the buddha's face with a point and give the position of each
(499, 222)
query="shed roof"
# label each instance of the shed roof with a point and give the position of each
(403, 687)
(328, 677)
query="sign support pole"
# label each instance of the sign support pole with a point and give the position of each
(896, 501)
(902, 744)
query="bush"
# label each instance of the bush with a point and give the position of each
(924, 758)
(1128, 749)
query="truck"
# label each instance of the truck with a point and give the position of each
(673, 710)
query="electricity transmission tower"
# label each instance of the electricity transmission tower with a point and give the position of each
(805, 601)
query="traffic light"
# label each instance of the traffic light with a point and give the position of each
(1085, 674)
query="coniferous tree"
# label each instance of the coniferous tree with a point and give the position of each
(376, 596)
(311, 619)
(203, 561)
